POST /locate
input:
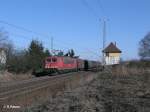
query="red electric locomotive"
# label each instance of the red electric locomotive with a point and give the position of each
(60, 64)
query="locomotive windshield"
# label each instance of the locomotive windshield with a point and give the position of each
(51, 60)
(48, 60)
(54, 59)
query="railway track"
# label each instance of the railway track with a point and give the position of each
(19, 84)
(11, 91)
(19, 87)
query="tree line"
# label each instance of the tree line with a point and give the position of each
(144, 47)
(31, 59)
(26, 60)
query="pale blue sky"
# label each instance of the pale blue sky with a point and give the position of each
(74, 24)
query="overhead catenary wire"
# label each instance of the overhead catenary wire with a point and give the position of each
(85, 50)
(22, 28)
(104, 19)
(85, 3)
(28, 30)
(67, 45)
(20, 35)
(101, 8)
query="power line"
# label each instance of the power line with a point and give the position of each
(70, 44)
(67, 45)
(101, 7)
(85, 49)
(27, 30)
(85, 3)
(22, 28)
(104, 20)
(19, 35)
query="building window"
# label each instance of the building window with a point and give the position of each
(107, 54)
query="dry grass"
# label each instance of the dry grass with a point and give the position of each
(124, 70)
(107, 93)
(9, 77)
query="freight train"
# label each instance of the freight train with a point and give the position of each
(63, 64)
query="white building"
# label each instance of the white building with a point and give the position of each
(2, 56)
(112, 54)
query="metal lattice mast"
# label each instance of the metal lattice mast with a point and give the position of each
(52, 45)
(104, 40)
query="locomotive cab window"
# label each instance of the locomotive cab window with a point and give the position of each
(54, 59)
(48, 60)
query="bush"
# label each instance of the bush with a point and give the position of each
(2, 67)
(18, 63)
(140, 64)
(28, 60)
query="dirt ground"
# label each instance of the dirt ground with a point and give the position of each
(107, 93)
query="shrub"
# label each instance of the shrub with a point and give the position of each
(28, 60)
(141, 63)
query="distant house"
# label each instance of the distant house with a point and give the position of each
(112, 54)
(2, 56)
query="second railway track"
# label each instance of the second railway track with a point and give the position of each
(12, 89)
(27, 92)
(15, 88)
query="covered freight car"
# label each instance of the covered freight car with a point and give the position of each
(80, 64)
(88, 65)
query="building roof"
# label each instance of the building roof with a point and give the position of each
(112, 48)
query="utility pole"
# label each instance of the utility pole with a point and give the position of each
(104, 40)
(104, 34)
(52, 45)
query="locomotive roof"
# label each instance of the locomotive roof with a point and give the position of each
(63, 56)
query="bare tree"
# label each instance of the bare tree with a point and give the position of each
(5, 43)
(70, 53)
(9, 47)
(144, 49)
(3, 37)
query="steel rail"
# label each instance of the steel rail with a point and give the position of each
(27, 82)
(30, 87)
